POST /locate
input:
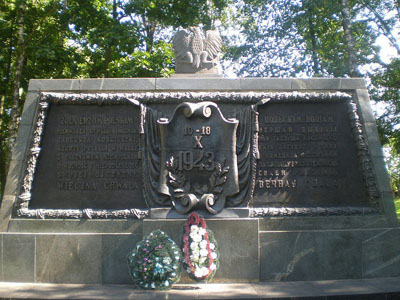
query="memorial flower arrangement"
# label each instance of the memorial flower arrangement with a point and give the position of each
(156, 262)
(200, 249)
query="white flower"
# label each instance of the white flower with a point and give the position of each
(203, 244)
(195, 254)
(202, 259)
(196, 237)
(194, 258)
(214, 255)
(213, 267)
(194, 228)
(202, 231)
(198, 272)
(204, 271)
(203, 252)
(212, 246)
(194, 245)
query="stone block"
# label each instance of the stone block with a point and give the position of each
(7, 205)
(43, 85)
(18, 257)
(361, 97)
(389, 209)
(13, 176)
(265, 84)
(115, 249)
(352, 83)
(322, 223)
(338, 254)
(238, 247)
(327, 84)
(288, 256)
(199, 84)
(69, 258)
(374, 143)
(22, 143)
(118, 84)
(30, 106)
(381, 253)
(76, 226)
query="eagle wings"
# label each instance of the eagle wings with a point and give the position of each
(190, 46)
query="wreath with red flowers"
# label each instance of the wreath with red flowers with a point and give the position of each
(200, 249)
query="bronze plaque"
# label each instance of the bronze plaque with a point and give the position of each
(198, 157)
(89, 158)
(308, 157)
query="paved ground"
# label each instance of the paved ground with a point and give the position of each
(383, 288)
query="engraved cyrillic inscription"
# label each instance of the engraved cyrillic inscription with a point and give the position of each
(307, 156)
(90, 158)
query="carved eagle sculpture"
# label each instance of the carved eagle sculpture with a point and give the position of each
(190, 46)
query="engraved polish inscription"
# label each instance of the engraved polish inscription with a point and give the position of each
(307, 157)
(89, 158)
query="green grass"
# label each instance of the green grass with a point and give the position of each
(397, 204)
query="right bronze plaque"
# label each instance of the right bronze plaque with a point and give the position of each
(308, 156)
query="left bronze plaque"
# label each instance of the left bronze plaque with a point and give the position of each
(89, 158)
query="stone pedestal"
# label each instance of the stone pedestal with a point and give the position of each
(271, 245)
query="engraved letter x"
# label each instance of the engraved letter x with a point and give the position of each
(198, 140)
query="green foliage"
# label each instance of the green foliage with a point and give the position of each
(392, 160)
(292, 38)
(397, 205)
(142, 63)
(386, 89)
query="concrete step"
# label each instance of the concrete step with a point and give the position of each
(381, 288)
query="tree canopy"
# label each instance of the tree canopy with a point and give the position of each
(132, 38)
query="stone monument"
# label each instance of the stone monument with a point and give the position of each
(289, 174)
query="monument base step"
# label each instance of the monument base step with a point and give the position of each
(379, 288)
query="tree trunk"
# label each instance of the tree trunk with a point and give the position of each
(110, 46)
(350, 44)
(314, 55)
(18, 67)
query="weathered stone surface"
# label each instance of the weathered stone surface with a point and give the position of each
(22, 143)
(69, 258)
(288, 256)
(13, 177)
(18, 257)
(131, 226)
(30, 105)
(323, 223)
(7, 205)
(338, 254)
(260, 84)
(238, 248)
(115, 248)
(53, 85)
(328, 84)
(362, 98)
(118, 84)
(198, 84)
(381, 253)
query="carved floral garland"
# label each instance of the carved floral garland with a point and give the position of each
(200, 249)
